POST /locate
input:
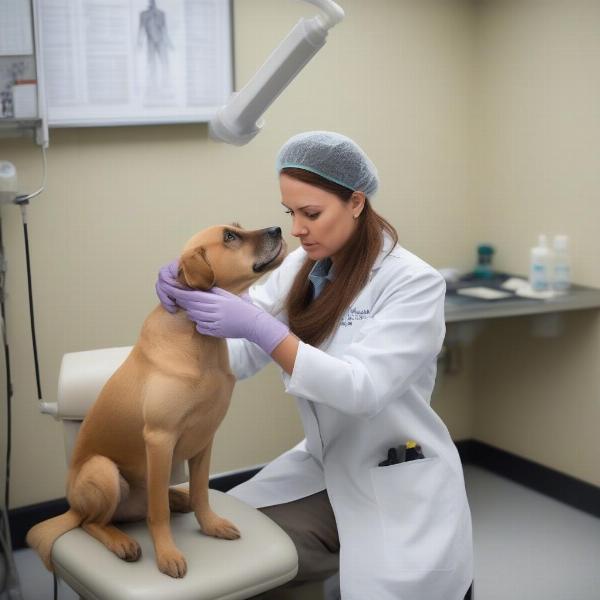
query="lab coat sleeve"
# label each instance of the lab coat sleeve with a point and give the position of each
(246, 358)
(403, 335)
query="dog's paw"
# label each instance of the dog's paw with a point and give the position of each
(179, 500)
(171, 562)
(216, 526)
(127, 549)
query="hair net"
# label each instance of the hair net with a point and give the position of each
(332, 156)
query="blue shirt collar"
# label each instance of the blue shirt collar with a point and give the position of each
(320, 274)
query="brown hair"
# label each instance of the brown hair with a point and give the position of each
(314, 321)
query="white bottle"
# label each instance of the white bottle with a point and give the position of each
(540, 266)
(561, 280)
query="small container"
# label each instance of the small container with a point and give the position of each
(561, 280)
(540, 266)
(483, 270)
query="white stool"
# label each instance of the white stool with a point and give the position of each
(263, 558)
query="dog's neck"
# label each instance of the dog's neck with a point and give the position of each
(175, 336)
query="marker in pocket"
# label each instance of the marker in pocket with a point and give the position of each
(410, 451)
(413, 451)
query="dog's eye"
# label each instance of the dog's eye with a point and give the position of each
(228, 236)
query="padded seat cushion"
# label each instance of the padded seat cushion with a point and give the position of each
(263, 558)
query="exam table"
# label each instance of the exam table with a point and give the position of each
(263, 558)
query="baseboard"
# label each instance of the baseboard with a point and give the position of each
(574, 492)
(225, 481)
(22, 519)
(565, 488)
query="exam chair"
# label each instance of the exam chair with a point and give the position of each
(263, 558)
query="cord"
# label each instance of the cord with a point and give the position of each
(23, 202)
(4, 537)
(55, 586)
(7, 367)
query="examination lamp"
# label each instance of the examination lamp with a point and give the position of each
(238, 121)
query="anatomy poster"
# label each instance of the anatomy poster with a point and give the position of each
(135, 61)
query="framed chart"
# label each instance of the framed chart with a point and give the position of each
(128, 62)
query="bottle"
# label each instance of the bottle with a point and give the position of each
(539, 266)
(561, 280)
(483, 270)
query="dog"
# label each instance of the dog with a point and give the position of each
(162, 406)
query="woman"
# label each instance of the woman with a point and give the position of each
(356, 322)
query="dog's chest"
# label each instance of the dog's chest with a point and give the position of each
(202, 420)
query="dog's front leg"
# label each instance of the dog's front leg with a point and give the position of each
(210, 522)
(159, 456)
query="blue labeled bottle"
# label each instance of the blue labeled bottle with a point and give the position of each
(483, 270)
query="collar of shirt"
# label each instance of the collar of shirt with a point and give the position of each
(320, 274)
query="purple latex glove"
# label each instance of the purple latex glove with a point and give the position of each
(220, 313)
(167, 280)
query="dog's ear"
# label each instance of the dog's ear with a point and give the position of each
(195, 270)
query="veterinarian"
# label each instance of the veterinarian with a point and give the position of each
(355, 321)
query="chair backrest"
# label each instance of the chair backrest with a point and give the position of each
(82, 376)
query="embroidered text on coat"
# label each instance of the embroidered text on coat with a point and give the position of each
(354, 314)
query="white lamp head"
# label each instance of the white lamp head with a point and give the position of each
(238, 121)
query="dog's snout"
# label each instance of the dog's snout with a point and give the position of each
(270, 246)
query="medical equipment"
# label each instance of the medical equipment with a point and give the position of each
(241, 118)
(9, 195)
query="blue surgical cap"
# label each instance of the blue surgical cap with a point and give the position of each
(332, 156)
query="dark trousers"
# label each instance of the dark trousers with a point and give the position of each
(310, 523)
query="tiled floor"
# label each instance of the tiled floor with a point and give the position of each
(527, 547)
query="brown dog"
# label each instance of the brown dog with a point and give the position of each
(162, 406)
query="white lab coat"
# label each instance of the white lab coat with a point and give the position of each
(405, 529)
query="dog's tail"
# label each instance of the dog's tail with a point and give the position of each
(41, 537)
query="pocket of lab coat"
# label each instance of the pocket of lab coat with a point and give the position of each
(419, 510)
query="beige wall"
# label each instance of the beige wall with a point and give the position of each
(538, 170)
(483, 120)
(120, 202)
